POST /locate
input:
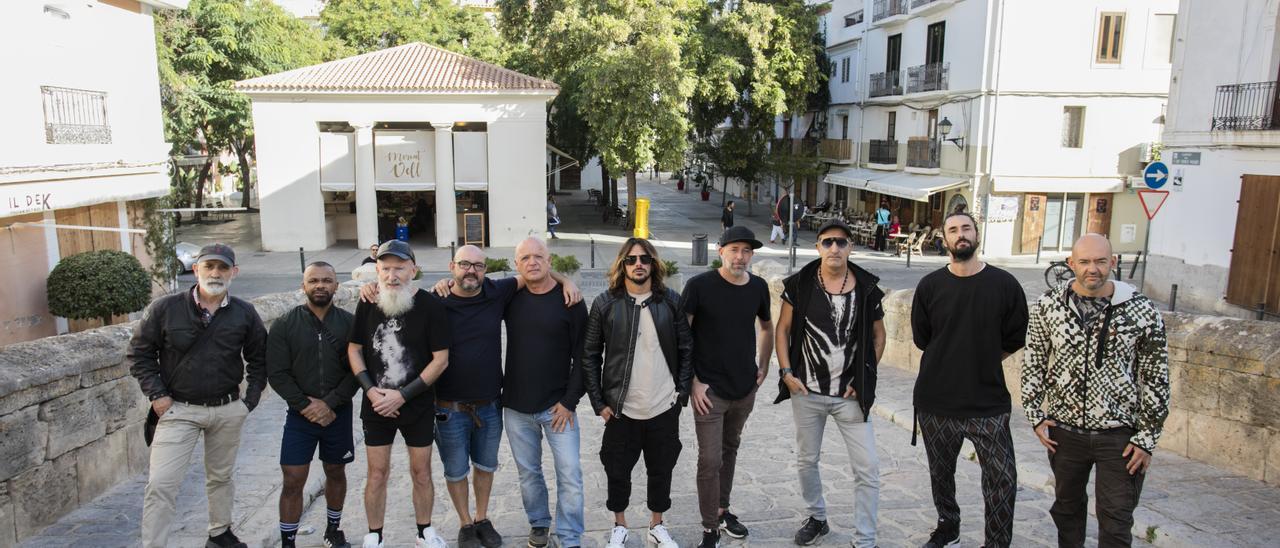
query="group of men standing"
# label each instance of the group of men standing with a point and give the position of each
(430, 368)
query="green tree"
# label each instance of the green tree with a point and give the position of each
(371, 25)
(98, 284)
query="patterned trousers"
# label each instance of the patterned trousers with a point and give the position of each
(990, 436)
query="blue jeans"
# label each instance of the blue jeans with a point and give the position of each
(462, 444)
(524, 433)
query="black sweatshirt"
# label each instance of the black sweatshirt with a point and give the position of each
(544, 352)
(964, 325)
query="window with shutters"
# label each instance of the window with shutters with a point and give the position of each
(1254, 278)
(844, 67)
(1110, 38)
(1072, 127)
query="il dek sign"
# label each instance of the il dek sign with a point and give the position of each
(36, 197)
(27, 203)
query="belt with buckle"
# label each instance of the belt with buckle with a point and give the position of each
(468, 407)
(211, 402)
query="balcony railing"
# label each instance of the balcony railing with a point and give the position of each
(886, 83)
(921, 3)
(1246, 107)
(797, 147)
(930, 77)
(922, 153)
(888, 8)
(75, 116)
(883, 152)
(836, 149)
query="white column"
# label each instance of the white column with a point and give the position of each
(122, 215)
(55, 255)
(366, 195)
(446, 205)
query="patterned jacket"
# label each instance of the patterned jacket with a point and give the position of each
(1113, 373)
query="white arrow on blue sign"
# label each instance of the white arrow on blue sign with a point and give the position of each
(1156, 175)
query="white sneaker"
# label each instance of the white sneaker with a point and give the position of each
(430, 539)
(371, 540)
(617, 537)
(658, 536)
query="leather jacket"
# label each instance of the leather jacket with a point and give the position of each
(612, 327)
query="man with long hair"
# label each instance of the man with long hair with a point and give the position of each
(638, 364)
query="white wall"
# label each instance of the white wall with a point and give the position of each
(962, 42)
(1028, 136)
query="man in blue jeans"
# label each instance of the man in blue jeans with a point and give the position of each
(540, 390)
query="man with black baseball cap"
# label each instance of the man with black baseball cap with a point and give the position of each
(830, 338)
(189, 353)
(725, 308)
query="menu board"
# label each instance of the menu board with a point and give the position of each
(473, 228)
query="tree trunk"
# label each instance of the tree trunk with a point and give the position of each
(631, 198)
(242, 154)
(200, 180)
(749, 195)
(724, 195)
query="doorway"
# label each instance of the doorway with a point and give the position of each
(1063, 221)
(414, 211)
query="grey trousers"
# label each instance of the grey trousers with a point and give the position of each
(811, 412)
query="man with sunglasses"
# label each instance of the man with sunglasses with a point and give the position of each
(967, 317)
(726, 307)
(637, 364)
(829, 338)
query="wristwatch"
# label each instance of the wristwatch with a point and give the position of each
(782, 373)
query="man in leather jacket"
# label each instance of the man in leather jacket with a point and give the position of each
(638, 365)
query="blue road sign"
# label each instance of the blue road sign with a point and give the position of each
(1156, 175)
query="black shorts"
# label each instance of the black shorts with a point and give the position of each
(418, 433)
(301, 436)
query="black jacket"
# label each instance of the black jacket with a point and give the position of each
(171, 325)
(867, 296)
(613, 324)
(302, 362)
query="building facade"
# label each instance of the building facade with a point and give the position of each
(1034, 116)
(412, 139)
(1217, 236)
(84, 147)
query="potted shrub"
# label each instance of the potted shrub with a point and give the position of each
(704, 185)
(567, 265)
(98, 285)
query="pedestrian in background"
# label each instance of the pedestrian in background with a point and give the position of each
(726, 217)
(882, 225)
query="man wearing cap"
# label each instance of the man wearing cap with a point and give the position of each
(189, 354)
(830, 337)
(726, 308)
(398, 348)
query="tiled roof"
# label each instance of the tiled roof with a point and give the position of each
(409, 68)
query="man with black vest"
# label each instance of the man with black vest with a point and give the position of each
(830, 337)
(189, 354)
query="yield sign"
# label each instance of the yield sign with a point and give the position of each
(1152, 200)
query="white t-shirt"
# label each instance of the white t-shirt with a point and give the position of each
(651, 391)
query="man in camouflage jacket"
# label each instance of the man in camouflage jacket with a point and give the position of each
(1095, 383)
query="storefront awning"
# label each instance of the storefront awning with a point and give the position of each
(404, 187)
(1077, 185)
(338, 187)
(904, 185)
(48, 195)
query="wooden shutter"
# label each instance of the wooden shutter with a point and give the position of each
(1255, 257)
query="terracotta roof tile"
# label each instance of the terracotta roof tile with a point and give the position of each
(414, 67)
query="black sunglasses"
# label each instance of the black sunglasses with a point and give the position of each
(841, 242)
(644, 259)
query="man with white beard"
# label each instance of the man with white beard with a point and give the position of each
(189, 354)
(398, 348)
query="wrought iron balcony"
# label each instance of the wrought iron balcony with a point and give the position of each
(922, 153)
(1246, 107)
(883, 9)
(930, 77)
(839, 150)
(883, 152)
(886, 83)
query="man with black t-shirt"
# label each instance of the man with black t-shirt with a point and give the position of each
(540, 390)
(398, 348)
(830, 338)
(723, 306)
(967, 317)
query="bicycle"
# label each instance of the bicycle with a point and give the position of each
(1059, 272)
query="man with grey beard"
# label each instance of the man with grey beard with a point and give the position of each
(398, 348)
(189, 354)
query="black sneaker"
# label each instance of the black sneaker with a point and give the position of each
(489, 538)
(710, 539)
(811, 531)
(731, 526)
(335, 538)
(947, 534)
(226, 540)
(538, 537)
(467, 536)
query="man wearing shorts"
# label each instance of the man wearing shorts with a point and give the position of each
(307, 366)
(398, 348)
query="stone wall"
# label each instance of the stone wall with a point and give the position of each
(71, 420)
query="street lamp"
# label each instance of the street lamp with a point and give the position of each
(944, 128)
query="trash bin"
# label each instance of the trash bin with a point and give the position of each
(699, 250)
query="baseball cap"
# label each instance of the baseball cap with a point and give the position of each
(397, 248)
(740, 234)
(836, 223)
(219, 252)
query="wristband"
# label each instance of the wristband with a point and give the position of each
(366, 381)
(782, 373)
(415, 388)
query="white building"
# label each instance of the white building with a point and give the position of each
(1050, 106)
(1218, 235)
(83, 145)
(451, 146)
